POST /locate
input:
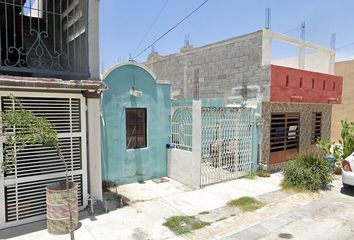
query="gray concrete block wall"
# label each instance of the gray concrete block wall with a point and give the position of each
(222, 66)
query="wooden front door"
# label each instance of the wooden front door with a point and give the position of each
(284, 136)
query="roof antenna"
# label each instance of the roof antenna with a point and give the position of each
(303, 31)
(153, 49)
(333, 41)
(186, 40)
(268, 18)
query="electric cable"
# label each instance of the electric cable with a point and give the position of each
(347, 45)
(171, 29)
(152, 24)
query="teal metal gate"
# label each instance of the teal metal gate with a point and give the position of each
(227, 143)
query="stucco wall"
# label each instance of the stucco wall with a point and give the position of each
(217, 67)
(305, 111)
(346, 109)
(295, 85)
(180, 167)
(124, 165)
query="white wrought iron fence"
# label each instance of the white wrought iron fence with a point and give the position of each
(181, 130)
(45, 37)
(226, 143)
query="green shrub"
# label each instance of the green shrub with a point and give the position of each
(347, 140)
(246, 204)
(308, 172)
(263, 173)
(184, 224)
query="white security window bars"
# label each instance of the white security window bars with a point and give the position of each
(44, 38)
(316, 126)
(284, 136)
(182, 128)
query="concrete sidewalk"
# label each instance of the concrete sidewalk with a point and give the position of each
(149, 205)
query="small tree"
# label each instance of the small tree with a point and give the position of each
(347, 135)
(345, 147)
(26, 128)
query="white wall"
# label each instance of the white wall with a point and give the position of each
(322, 60)
(94, 147)
(185, 166)
(93, 39)
(180, 167)
(313, 62)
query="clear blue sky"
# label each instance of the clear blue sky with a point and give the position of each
(123, 24)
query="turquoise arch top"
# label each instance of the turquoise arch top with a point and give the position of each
(120, 164)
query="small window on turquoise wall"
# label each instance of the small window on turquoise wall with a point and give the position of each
(136, 128)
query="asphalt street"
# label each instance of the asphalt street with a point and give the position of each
(329, 217)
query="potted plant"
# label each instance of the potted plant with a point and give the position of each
(340, 151)
(26, 128)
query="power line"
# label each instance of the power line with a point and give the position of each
(172, 28)
(152, 24)
(347, 45)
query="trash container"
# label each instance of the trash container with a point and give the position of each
(58, 214)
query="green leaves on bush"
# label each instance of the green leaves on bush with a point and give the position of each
(347, 140)
(308, 172)
(184, 224)
(246, 204)
(22, 127)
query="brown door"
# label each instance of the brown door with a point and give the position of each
(284, 136)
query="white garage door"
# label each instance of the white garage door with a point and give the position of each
(22, 193)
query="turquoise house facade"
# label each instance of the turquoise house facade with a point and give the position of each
(135, 124)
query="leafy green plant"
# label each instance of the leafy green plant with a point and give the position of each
(246, 204)
(325, 146)
(263, 173)
(330, 149)
(307, 172)
(184, 224)
(347, 135)
(21, 128)
(345, 147)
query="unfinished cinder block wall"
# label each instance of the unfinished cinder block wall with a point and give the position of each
(213, 70)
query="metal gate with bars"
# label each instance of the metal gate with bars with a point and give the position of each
(284, 136)
(23, 192)
(226, 143)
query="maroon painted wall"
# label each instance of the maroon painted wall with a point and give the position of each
(294, 85)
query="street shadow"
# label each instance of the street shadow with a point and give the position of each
(114, 202)
(349, 191)
(23, 229)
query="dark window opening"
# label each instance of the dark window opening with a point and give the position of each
(316, 127)
(287, 81)
(313, 83)
(324, 85)
(136, 128)
(334, 86)
(300, 82)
